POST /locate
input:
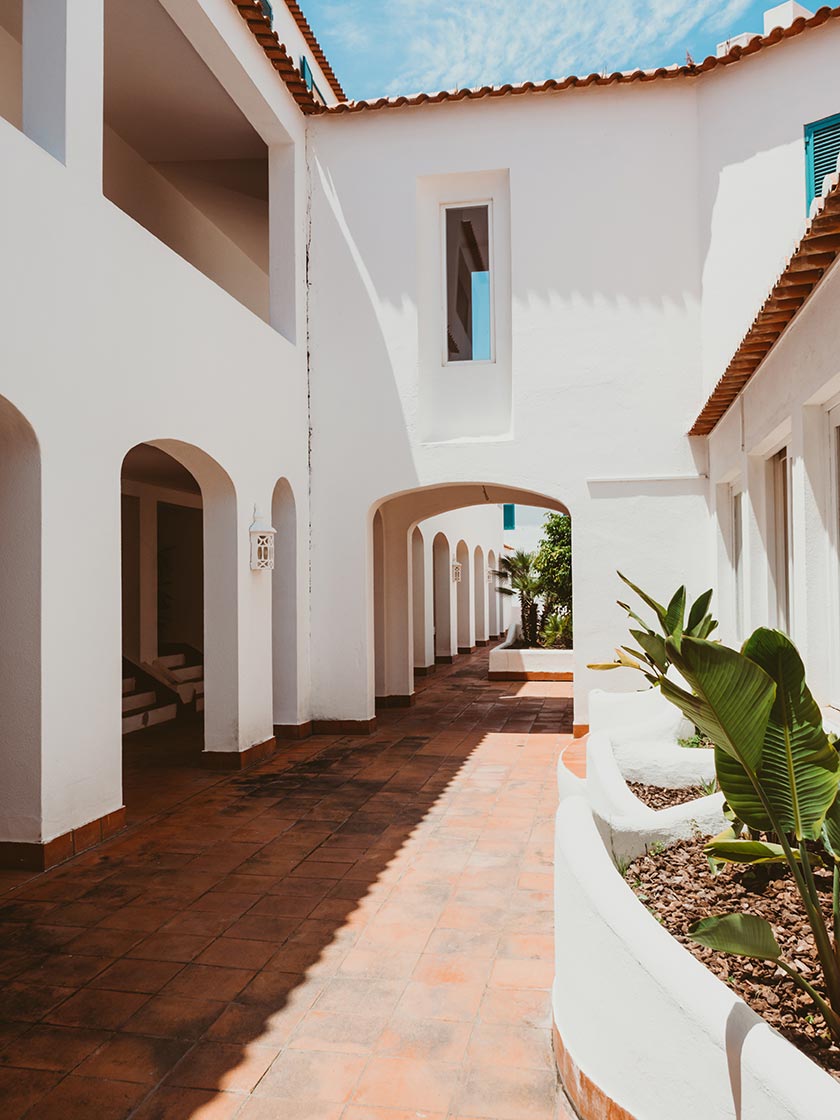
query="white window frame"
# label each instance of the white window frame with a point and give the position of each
(832, 414)
(464, 204)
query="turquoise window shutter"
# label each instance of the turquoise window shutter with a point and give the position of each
(822, 147)
(510, 518)
(306, 72)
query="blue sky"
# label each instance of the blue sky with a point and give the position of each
(385, 47)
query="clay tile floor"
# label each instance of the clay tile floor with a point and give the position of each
(359, 929)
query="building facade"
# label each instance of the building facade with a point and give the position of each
(233, 298)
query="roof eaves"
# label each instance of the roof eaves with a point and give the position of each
(817, 251)
(260, 27)
(552, 85)
(308, 34)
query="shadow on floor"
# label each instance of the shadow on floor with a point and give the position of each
(360, 928)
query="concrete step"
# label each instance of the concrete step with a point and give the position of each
(199, 703)
(148, 717)
(129, 684)
(188, 673)
(172, 660)
(135, 700)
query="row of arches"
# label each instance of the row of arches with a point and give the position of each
(87, 603)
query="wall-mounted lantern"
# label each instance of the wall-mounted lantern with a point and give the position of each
(262, 543)
(456, 571)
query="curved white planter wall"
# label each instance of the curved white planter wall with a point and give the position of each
(643, 1024)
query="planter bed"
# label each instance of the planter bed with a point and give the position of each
(677, 886)
(643, 1029)
(660, 797)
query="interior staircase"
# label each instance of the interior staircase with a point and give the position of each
(142, 704)
(183, 672)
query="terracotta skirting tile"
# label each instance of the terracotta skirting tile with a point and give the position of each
(423, 670)
(589, 1099)
(34, 856)
(444, 659)
(396, 701)
(343, 726)
(240, 760)
(580, 729)
(466, 649)
(293, 730)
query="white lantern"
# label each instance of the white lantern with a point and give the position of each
(456, 571)
(262, 544)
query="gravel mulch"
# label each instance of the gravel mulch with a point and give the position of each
(678, 887)
(657, 797)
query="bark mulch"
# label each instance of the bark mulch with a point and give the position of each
(678, 887)
(657, 797)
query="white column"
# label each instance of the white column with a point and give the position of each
(811, 508)
(63, 66)
(399, 640)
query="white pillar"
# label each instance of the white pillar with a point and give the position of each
(811, 573)
(480, 596)
(399, 641)
(63, 66)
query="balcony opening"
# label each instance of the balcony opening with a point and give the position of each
(11, 61)
(179, 156)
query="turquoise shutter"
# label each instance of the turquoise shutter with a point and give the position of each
(306, 72)
(822, 147)
(510, 518)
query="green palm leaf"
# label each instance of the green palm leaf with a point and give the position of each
(799, 768)
(744, 935)
(731, 697)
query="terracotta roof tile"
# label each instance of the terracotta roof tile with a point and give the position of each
(315, 47)
(260, 27)
(816, 252)
(694, 70)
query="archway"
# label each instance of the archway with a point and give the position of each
(180, 601)
(466, 632)
(20, 629)
(419, 603)
(480, 590)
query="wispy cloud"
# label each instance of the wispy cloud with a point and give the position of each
(439, 44)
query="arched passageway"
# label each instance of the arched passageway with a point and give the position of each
(465, 605)
(179, 593)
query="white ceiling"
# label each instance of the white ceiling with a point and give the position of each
(148, 464)
(159, 95)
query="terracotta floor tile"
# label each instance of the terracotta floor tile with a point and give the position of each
(223, 1066)
(373, 997)
(434, 1040)
(459, 1002)
(364, 1112)
(262, 1025)
(134, 918)
(378, 963)
(170, 947)
(494, 1044)
(451, 968)
(346, 1034)
(174, 1017)
(104, 942)
(172, 1103)
(509, 1094)
(85, 1097)
(21, 1089)
(272, 1108)
(207, 981)
(130, 1057)
(402, 1083)
(233, 952)
(522, 974)
(132, 975)
(97, 1010)
(516, 1006)
(51, 1048)
(27, 1003)
(309, 1075)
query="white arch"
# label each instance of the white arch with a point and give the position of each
(466, 613)
(445, 632)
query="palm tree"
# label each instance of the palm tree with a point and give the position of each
(519, 576)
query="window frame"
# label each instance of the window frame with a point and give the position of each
(780, 466)
(466, 204)
(812, 188)
(737, 529)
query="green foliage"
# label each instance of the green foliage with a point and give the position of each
(553, 561)
(545, 621)
(556, 632)
(776, 766)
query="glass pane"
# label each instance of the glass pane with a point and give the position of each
(468, 328)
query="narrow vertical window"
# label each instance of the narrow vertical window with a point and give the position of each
(738, 560)
(469, 329)
(783, 559)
